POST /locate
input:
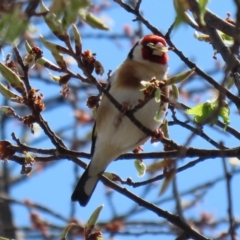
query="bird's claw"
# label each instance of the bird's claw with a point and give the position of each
(158, 136)
(125, 107)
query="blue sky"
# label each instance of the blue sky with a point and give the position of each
(53, 186)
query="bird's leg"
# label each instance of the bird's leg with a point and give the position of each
(138, 150)
(125, 107)
(158, 136)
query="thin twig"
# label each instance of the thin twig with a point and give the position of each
(228, 178)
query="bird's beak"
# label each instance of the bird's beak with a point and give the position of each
(158, 49)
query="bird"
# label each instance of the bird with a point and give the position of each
(115, 133)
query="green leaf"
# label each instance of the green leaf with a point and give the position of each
(12, 78)
(94, 217)
(165, 129)
(224, 114)
(202, 37)
(9, 94)
(230, 82)
(56, 26)
(68, 11)
(70, 16)
(92, 20)
(181, 6)
(43, 8)
(208, 110)
(77, 39)
(180, 77)
(175, 92)
(140, 166)
(109, 175)
(7, 111)
(169, 176)
(202, 9)
(58, 7)
(53, 47)
(100, 238)
(157, 95)
(2, 238)
(158, 114)
(28, 46)
(55, 50)
(47, 64)
(12, 24)
(55, 78)
(227, 39)
(83, 3)
(66, 230)
(188, 19)
(197, 110)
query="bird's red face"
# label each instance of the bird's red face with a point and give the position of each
(154, 49)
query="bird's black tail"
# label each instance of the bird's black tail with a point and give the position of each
(85, 187)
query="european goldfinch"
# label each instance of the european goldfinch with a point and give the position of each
(117, 135)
